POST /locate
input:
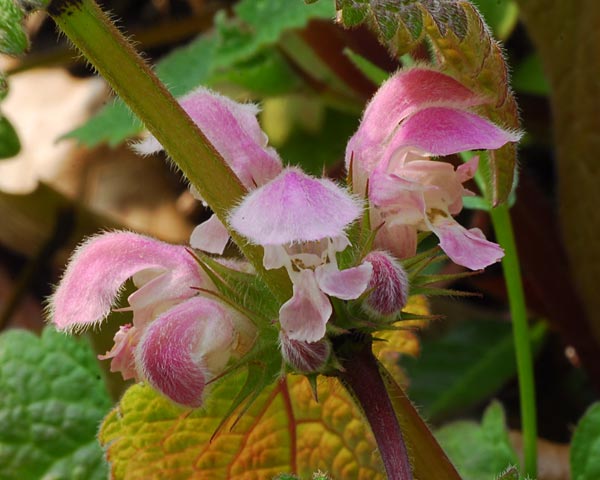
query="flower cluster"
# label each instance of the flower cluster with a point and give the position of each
(181, 337)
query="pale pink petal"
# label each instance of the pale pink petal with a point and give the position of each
(210, 236)
(467, 170)
(304, 357)
(446, 130)
(174, 351)
(400, 199)
(234, 131)
(100, 266)
(399, 239)
(294, 207)
(388, 285)
(304, 316)
(468, 248)
(122, 352)
(346, 284)
(401, 95)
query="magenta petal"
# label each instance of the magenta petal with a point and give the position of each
(100, 266)
(401, 95)
(210, 236)
(294, 207)
(234, 131)
(468, 248)
(174, 351)
(445, 130)
(346, 284)
(304, 316)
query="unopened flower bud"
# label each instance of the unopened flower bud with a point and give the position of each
(305, 357)
(388, 285)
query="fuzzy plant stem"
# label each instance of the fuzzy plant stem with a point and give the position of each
(503, 229)
(92, 32)
(362, 379)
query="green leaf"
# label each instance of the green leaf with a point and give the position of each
(585, 447)
(13, 40)
(370, 70)
(9, 140)
(500, 15)
(283, 431)
(529, 77)
(52, 401)
(235, 52)
(469, 363)
(479, 451)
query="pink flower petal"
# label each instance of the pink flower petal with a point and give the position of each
(304, 357)
(468, 248)
(399, 239)
(446, 130)
(304, 316)
(346, 284)
(98, 268)
(210, 236)
(122, 353)
(234, 131)
(401, 95)
(294, 207)
(185, 347)
(389, 284)
(467, 170)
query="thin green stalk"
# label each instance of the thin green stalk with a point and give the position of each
(90, 30)
(516, 298)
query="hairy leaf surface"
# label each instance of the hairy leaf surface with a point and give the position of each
(52, 401)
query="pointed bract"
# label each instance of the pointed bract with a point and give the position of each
(101, 265)
(295, 207)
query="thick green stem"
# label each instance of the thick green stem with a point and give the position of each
(116, 60)
(516, 298)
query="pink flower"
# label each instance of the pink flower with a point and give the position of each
(300, 222)
(234, 131)
(178, 340)
(419, 113)
(388, 285)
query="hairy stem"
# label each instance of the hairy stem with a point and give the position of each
(363, 381)
(116, 60)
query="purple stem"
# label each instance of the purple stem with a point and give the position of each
(363, 381)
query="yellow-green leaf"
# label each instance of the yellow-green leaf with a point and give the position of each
(284, 431)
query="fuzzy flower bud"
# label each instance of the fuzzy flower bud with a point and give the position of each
(388, 285)
(305, 357)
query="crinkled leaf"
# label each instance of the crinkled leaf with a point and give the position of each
(464, 366)
(52, 402)
(234, 51)
(284, 431)
(13, 40)
(479, 451)
(9, 140)
(585, 447)
(464, 48)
